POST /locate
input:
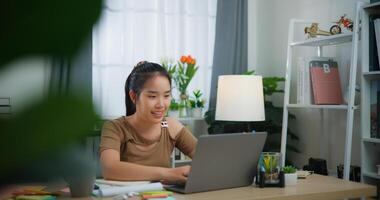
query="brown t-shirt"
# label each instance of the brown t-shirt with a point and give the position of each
(120, 135)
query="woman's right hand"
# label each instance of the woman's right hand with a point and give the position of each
(176, 175)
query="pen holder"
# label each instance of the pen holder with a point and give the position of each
(268, 170)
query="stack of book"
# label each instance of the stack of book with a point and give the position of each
(374, 65)
(303, 82)
(375, 32)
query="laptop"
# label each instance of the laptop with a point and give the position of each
(223, 161)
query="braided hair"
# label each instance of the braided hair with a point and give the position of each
(140, 74)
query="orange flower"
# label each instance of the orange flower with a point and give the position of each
(193, 61)
(183, 59)
(188, 60)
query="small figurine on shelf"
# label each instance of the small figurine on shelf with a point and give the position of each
(313, 31)
(342, 22)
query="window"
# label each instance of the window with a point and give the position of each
(135, 30)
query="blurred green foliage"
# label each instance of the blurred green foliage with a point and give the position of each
(44, 128)
(46, 28)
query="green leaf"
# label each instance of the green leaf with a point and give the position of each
(45, 27)
(289, 169)
(249, 72)
(44, 128)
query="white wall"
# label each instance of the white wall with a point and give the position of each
(25, 81)
(267, 48)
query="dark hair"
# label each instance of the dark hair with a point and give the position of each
(141, 73)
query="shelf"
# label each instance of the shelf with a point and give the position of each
(371, 140)
(190, 118)
(373, 75)
(373, 8)
(337, 107)
(325, 40)
(371, 174)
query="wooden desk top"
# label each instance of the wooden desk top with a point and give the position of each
(313, 187)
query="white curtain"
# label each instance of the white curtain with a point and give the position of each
(133, 30)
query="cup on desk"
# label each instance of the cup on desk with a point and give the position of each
(81, 179)
(81, 186)
(78, 170)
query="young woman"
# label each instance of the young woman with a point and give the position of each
(138, 146)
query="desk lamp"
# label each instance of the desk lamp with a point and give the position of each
(240, 98)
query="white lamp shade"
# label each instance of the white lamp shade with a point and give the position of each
(240, 98)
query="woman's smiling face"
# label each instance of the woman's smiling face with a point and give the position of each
(154, 99)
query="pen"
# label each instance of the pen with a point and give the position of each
(154, 196)
(156, 192)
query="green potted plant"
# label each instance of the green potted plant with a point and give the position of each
(269, 163)
(290, 174)
(169, 66)
(181, 73)
(184, 73)
(173, 109)
(197, 104)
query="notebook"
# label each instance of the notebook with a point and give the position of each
(325, 82)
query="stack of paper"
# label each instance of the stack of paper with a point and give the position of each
(112, 188)
(119, 183)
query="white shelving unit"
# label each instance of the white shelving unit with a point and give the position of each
(319, 43)
(370, 147)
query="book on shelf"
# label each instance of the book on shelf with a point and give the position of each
(300, 75)
(376, 23)
(374, 108)
(373, 47)
(376, 134)
(325, 82)
(303, 82)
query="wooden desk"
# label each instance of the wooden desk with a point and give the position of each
(313, 187)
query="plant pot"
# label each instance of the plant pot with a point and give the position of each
(269, 163)
(290, 179)
(197, 112)
(183, 110)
